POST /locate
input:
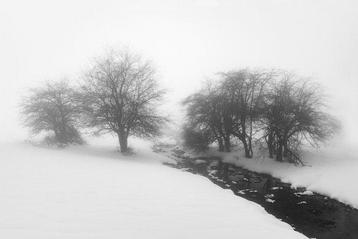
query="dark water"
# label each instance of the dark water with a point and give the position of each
(314, 215)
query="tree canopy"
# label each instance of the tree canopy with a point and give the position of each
(53, 108)
(120, 95)
(250, 105)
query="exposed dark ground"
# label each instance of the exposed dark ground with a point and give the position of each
(312, 214)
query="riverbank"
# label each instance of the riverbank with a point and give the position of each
(331, 170)
(314, 215)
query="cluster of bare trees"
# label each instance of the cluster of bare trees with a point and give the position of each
(118, 94)
(256, 106)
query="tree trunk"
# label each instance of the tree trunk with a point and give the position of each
(270, 144)
(250, 147)
(123, 142)
(279, 154)
(244, 139)
(248, 151)
(59, 136)
(227, 144)
(221, 144)
(285, 148)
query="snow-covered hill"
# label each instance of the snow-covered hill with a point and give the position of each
(94, 192)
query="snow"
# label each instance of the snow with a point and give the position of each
(269, 200)
(93, 191)
(331, 171)
(304, 193)
(199, 161)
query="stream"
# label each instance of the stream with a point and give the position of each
(314, 215)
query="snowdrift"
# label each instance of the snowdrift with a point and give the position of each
(95, 192)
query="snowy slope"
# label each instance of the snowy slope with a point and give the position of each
(94, 192)
(332, 171)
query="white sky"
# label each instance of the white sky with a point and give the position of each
(188, 41)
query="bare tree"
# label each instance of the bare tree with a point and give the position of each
(279, 107)
(230, 108)
(53, 108)
(120, 95)
(294, 115)
(245, 92)
(206, 112)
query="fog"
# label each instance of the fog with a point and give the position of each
(187, 41)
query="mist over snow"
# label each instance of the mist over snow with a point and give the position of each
(93, 191)
(188, 41)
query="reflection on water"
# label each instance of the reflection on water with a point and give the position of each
(312, 214)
